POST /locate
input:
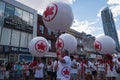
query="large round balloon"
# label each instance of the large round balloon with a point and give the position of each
(104, 44)
(38, 46)
(66, 41)
(58, 16)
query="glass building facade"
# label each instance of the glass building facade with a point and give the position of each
(17, 27)
(109, 25)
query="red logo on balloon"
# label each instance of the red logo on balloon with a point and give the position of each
(50, 12)
(97, 46)
(41, 46)
(59, 44)
(65, 72)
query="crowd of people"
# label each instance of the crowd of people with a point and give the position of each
(68, 68)
(64, 67)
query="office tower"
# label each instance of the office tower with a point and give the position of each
(109, 25)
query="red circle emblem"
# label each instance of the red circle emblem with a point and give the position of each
(59, 44)
(50, 12)
(65, 72)
(97, 46)
(41, 46)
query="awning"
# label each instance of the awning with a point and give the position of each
(50, 54)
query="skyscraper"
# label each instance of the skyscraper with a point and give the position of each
(109, 25)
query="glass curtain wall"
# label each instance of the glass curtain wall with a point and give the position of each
(6, 36)
(2, 9)
(11, 35)
(41, 28)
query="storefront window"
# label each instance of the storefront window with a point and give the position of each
(49, 41)
(49, 32)
(31, 20)
(25, 17)
(41, 29)
(30, 37)
(24, 39)
(15, 38)
(18, 12)
(9, 11)
(18, 15)
(5, 38)
(2, 8)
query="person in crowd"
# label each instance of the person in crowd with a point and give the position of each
(39, 70)
(101, 69)
(74, 69)
(63, 66)
(118, 67)
(93, 66)
(110, 67)
(87, 70)
(82, 72)
(54, 71)
(79, 68)
(18, 70)
(32, 65)
(26, 71)
(7, 72)
(49, 69)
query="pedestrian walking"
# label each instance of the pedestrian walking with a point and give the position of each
(63, 66)
(39, 70)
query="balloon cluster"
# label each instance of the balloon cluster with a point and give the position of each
(57, 17)
(66, 42)
(104, 45)
(38, 46)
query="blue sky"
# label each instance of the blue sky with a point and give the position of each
(87, 16)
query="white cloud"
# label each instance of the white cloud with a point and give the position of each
(113, 2)
(115, 7)
(84, 26)
(40, 5)
(115, 10)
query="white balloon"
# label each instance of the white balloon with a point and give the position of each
(38, 46)
(104, 44)
(66, 41)
(58, 17)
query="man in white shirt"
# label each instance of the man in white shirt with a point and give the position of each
(74, 69)
(54, 72)
(39, 71)
(63, 66)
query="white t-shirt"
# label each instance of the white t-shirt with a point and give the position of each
(73, 70)
(111, 73)
(79, 65)
(63, 70)
(87, 68)
(101, 67)
(39, 72)
(92, 65)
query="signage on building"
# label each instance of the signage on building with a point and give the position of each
(19, 24)
(50, 54)
(25, 50)
(25, 58)
(13, 49)
(6, 49)
(19, 49)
